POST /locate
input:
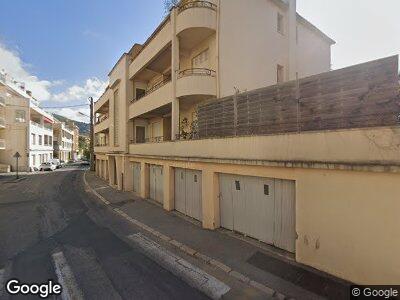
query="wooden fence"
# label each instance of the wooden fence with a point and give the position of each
(365, 95)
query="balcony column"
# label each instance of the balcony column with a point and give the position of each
(174, 71)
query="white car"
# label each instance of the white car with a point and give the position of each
(56, 162)
(47, 166)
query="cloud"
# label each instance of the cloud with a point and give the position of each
(93, 87)
(77, 94)
(76, 114)
(13, 65)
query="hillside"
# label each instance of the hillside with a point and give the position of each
(84, 128)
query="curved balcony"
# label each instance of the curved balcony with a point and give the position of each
(196, 81)
(196, 14)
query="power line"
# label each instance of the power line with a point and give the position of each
(68, 106)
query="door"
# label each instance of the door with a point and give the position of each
(262, 208)
(136, 169)
(114, 163)
(180, 190)
(156, 183)
(140, 134)
(193, 194)
(188, 193)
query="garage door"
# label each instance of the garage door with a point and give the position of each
(262, 208)
(156, 183)
(188, 193)
(136, 177)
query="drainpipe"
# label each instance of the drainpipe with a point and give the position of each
(292, 33)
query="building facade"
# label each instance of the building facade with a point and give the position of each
(179, 124)
(24, 128)
(63, 141)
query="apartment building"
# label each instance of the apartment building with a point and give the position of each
(229, 114)
(24, 128)
(63, 141)
(75, 141)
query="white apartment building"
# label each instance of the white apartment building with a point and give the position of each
(63, 141)
(24, 128)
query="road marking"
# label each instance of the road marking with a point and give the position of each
(102, 187)
(181, 268)
(205, 258)
(66, 278)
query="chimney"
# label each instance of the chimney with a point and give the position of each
(29, 93)
(22, 86)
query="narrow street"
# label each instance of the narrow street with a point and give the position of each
(49, 213)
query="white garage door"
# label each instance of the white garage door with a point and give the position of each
(136, 177)
(156, 183)
(188, 193)
(262, 208)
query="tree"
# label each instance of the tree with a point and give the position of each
(169, 4)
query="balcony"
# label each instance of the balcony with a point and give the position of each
(157, 96)
(197, 14)
(2, 144)
(196, 81)
(102, 124)
(155, 44)
(42, 127)
(2, 122)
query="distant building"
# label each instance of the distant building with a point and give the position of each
(24, 128)
(63, 141)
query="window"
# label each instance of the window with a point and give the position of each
(33, 137)
(50, 140)
(140, 93)
(40, 140)
(20, 116)
(279, 74)
(280, 25)
(46, 139)
(199, 61)
(266, 189)
(33, 159)
(237, 185)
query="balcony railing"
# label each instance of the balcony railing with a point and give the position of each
(2, 144)
(98, 144)
(101, 119)
(196, 72)
(154, 88)
(199, 4)
(155, 139)
(41, 126)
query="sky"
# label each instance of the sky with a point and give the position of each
(64, 49)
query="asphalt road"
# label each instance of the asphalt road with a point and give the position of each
(50, 212)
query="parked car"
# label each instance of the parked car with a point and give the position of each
(47, 166)
(62, 163)
(56, 162)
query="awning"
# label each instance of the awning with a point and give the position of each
(47, 120)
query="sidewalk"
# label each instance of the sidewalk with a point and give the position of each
(256, 263)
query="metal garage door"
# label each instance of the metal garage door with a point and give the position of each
(188, 193)
(136, 177)
(156, 183)
(263, 208)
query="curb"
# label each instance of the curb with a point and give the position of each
(192, 275)
(189, 251)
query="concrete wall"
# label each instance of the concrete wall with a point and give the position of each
(346, 221)
(250, 48)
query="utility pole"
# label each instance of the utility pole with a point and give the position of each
(91, 146)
